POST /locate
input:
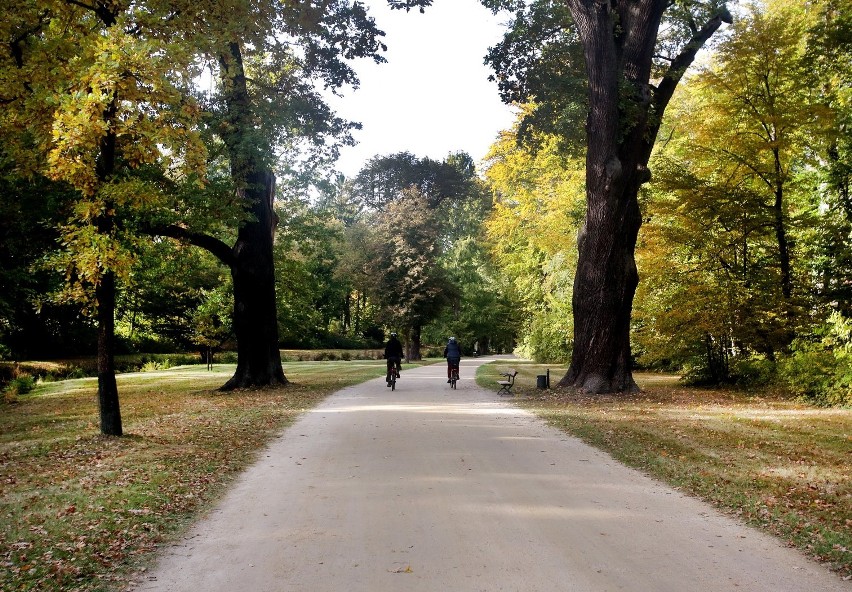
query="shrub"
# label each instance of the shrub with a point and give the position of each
(753, 371)
(696, 373)
(25, 383)
(228, 357)
(432, 351)
(20, 385)
(76, 372)
(152, 344)
(154, 365)
(547, 340)
(819, 369)
(10, 394)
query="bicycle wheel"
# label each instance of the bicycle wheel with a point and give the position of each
(393, 381)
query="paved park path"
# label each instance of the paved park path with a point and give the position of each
(429, 489)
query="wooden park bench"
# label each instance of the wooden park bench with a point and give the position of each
(506, 385)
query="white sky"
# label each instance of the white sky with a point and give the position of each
(432, 97)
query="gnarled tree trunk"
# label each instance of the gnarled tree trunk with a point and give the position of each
(253, 272)
(618, 43)
(252, 265)
(604, 287)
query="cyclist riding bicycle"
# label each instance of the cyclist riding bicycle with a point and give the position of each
(393, 354)
(453, 354)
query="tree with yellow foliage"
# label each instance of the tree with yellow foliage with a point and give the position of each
(91, 94)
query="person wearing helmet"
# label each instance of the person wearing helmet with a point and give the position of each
(453, 354)
(393, 354)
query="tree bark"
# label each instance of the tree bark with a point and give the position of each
(252, 268)
(110, 412)
(413, 344)
(253, 273)
(618, 41)
(604, 287)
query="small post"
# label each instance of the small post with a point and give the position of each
(548, 378)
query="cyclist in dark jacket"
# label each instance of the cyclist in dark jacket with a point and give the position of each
(453, 354)
(393, 354)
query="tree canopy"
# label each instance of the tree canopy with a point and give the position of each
(717, 190)
(744, 251)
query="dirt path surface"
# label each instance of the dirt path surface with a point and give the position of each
(430, 489)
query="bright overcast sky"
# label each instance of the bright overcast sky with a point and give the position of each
(432, 97)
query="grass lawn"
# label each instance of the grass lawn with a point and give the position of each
(80, 511)
(774, 463)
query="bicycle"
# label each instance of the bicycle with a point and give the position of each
(392, 374)
(454, 377)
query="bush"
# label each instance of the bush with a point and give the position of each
(25, 383)
(546, 342)
(154, 365)
(20, 385)
(753, 371)
(10, 394)
(76, 372)
(432, 351)
(333, 341)
(819, 369)
(146, 343)
(696, 373)
(228, 357)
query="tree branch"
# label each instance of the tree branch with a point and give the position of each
(219, 249)
(107, 16)
(678, 67)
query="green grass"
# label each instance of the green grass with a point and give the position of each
(80, 511)
(774, 463)
(87, 366)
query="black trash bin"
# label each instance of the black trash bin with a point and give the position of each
(541, 381)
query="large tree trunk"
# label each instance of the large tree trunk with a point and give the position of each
(618, 43)
(413, 344)
(110, 413)
(604, 287)
(252, 266)
(253, 272)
